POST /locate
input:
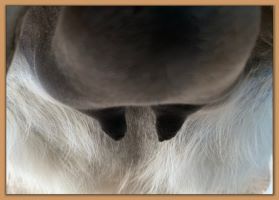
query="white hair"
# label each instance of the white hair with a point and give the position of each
(222, 148)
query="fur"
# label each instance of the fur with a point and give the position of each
(223, 148)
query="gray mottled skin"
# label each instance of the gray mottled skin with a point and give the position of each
(101, 57)
(97, 57)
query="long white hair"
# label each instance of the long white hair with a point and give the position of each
(222, 148)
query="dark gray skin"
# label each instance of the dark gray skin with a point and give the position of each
(99, 60)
